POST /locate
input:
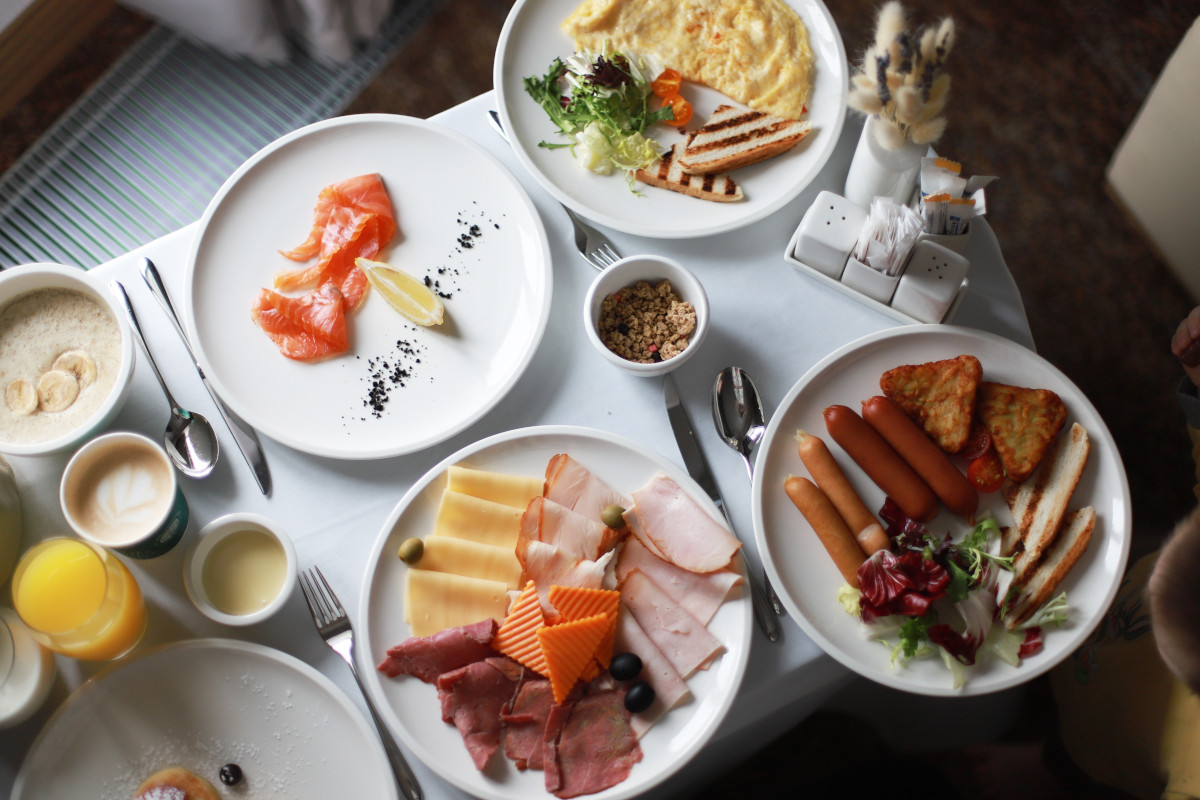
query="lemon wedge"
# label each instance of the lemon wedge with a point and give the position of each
(408, 295)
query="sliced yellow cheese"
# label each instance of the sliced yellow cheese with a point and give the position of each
(471, 560)
(464, 516)
(499, 487)
(435, 601)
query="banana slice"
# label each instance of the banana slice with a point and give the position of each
(78, 362)
(57, 390)
(20, 397)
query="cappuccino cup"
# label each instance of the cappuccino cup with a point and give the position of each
(120, 491)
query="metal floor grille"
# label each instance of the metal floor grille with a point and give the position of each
(142, 153)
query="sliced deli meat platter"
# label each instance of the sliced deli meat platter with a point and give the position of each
(806, 577)
(413, 709)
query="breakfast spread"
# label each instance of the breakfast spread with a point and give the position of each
(646, 323)
(589, 640)
(59, 354)
(910, 441)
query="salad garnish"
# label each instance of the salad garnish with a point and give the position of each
(932, 595)
(602, 102)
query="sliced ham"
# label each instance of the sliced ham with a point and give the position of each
(428, 657)
(589, 745)
(525, 724)
(547, 565)
(700, 593)
(669, 687)
(473, 698)
(573, 485)
(675, 527)
(681, 638)
(553, 523)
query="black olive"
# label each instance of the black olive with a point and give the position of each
(639, 697)
(625, 667)
(230, 774)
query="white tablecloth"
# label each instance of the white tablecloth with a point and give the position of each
(767, 318)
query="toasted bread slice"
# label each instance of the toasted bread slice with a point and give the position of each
(1022, 422)
(1039, 503)
(1038, 585)
(735, 137)
(667, 174)
(939, 396)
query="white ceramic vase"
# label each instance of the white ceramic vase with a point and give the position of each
(876, 171)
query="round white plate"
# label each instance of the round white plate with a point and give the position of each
(532, 38)
(804, 575)
(411, 707)
(440, 185)
(200, 704)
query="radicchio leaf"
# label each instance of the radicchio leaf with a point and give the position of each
(906, 584)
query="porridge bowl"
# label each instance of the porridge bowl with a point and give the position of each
(646, 314)
(66, 359)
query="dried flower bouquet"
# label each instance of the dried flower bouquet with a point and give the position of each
(901, 80)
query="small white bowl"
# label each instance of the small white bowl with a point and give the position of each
(653, 269)
(198, 556)
(20, 280)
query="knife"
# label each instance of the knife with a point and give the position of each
(243, 435)
(697, 467)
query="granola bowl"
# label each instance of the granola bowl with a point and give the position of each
(646, 314)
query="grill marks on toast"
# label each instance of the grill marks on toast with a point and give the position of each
(667, 173)
(735, 137)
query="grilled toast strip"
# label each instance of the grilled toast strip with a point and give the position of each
(735, 137)
(667, 174)
(1038, 585)
(1039, 503)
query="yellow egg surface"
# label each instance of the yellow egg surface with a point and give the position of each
(754, 51)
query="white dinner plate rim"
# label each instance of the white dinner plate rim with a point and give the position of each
(1103, 447)
(681, 228)
(358, 449)
(96, 683)
(364, 656)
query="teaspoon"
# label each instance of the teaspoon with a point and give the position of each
(741, 422)
(190, 440)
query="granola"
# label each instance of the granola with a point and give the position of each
(645, 323)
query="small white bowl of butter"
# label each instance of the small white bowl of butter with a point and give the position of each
(241, 570)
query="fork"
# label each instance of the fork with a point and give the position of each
(334, 627)
(592, 245)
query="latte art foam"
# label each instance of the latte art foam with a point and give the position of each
(123, 495)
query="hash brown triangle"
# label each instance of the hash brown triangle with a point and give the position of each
(1022, 422)
(937, 395)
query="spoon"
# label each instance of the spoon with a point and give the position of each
(741, 422)
(190, 440)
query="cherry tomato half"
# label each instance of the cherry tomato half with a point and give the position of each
(681, 108)
(667, 83)
(986, 472)
(978, 441)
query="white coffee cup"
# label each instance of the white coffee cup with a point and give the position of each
(120, 491)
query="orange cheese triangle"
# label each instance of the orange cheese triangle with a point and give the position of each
(569, 648)
(517, 636)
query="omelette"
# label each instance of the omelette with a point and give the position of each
(754, 51)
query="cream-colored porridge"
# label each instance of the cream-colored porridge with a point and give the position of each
(60, 352)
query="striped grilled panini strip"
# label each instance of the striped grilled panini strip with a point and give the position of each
(744, 135)
(668, 174)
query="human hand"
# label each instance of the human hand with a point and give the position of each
(1185, 344)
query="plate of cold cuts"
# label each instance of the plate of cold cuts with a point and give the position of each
(1066, 520)
(503, 603)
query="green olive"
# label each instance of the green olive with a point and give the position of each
(411, 550)
(611, 516)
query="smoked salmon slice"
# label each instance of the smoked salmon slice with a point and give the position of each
(304, 328)
(352, 219)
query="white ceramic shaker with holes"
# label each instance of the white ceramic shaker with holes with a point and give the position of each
(827, 233)
(930, 282)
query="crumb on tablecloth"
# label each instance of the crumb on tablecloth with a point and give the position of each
(645, 323)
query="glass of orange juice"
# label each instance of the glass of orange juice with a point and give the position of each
(79, 600)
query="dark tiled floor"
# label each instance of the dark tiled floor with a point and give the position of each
(1043, 91)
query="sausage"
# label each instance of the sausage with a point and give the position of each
(828, 525)
(832, 481)
(882, 464)
(922, 454)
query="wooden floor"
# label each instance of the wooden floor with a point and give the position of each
(1042, 92)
